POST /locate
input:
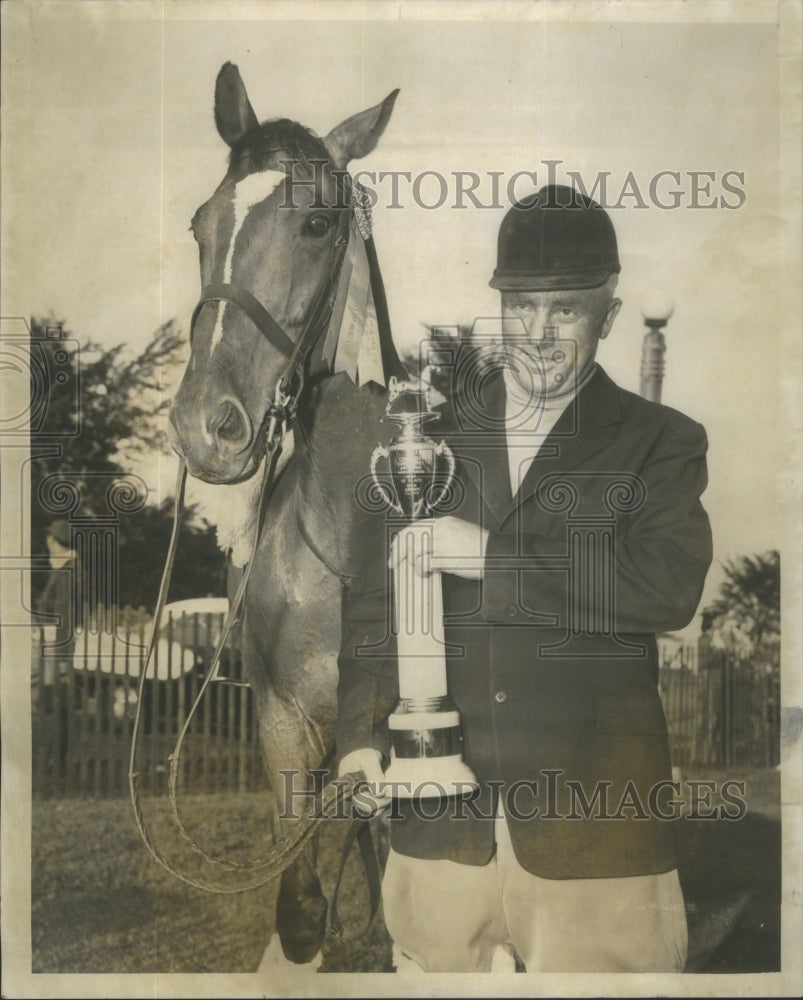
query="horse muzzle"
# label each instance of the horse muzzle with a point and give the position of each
(216, 441)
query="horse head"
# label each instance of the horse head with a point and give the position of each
(271, 240)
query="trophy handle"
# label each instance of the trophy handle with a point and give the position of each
(443, 450)
(382, 452)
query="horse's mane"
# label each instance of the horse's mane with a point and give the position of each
(279, 138)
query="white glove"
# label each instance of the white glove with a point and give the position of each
(367, 800)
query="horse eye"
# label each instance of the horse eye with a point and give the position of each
(317, 225)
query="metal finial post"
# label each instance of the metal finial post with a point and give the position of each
(656, 315)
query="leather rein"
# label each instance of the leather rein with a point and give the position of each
(276, 422)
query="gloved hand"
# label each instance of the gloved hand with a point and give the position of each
(367, 799)
(457, 546)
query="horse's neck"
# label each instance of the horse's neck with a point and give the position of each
(338, 428)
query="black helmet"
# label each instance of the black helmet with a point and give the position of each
(555, 239)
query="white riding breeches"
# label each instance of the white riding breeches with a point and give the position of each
(450, 917)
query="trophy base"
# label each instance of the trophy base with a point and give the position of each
(431, 778)
(426, 756)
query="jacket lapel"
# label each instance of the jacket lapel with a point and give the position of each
(586, 426)
(481, 450)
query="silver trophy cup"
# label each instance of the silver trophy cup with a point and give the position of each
(414, 475)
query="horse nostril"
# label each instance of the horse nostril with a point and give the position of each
(230, 424)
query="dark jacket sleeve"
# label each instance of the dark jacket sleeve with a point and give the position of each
(56, 598)
(662, 549)
(45, 603)
(368, 675)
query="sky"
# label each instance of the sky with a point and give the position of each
(115, 146)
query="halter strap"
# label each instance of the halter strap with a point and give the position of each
(319, 311)
(253, 309)
(296, 353)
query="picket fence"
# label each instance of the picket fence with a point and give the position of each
(721, 710)
(83, 711)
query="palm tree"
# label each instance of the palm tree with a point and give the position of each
(747, 612)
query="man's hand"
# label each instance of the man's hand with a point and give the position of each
(369, 800)
(457, 547)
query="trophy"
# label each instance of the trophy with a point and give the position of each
(425, 731)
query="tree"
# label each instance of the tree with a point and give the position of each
(99, 407)
(199, 569)
(747, 613)
(94, 411)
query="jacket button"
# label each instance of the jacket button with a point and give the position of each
(512, 610)
(500, 697)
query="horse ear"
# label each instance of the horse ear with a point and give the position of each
(358, 135)
(234, 115)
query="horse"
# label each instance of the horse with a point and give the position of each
(272, 240)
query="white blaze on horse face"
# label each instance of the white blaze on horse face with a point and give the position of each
(248, 193)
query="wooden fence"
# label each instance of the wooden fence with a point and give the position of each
(721, 710)
(83, 710)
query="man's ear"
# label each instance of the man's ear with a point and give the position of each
(610, 316)
(357, 136)
(234, 115)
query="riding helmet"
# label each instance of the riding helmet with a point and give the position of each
(555, 239)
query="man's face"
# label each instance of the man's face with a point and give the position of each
(537, 322)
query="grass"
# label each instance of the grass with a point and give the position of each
(731, 877)
(100, 904)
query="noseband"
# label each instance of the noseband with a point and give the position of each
(297, 353)
(253, 309)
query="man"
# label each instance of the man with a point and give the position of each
(52, 660)
(579, 504)
(57, 597)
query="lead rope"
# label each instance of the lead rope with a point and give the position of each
(273, 452)
(334, 796)
(337, 793)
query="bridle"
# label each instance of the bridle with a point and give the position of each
(276, 421)
(291, 383)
